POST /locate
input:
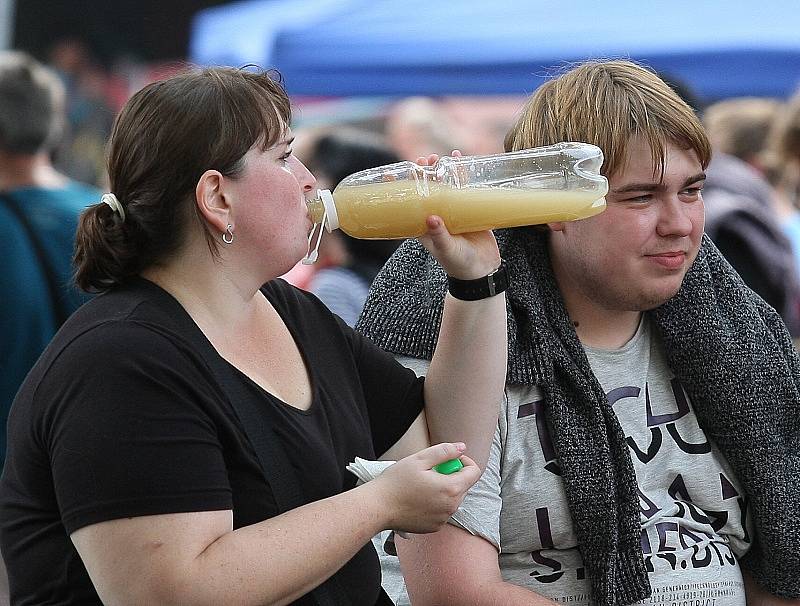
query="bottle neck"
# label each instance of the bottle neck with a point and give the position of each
(322, 209)
(322, 212)
(316, 210)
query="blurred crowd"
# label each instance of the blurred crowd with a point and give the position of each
(751, 193)
(54, 123)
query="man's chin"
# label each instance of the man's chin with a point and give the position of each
(656, 299)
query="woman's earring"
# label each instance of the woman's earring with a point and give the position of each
(227, 237)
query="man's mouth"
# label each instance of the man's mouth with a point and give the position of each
(670, 259)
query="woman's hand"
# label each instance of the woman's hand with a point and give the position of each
(464, 256)
(420, 498)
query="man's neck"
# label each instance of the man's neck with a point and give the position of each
(604, 329)
(33, 170)
(596, 324)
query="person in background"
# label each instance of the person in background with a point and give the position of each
(39, 210)
(89, 114)
(744, 216)
(782, 165)
(416, 126)
(343, 286)
(741, 126)
(184, 437)
(647, 446)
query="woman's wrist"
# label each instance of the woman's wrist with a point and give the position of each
(484, 287)
(377, 507)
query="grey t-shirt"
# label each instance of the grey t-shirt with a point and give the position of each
(693, 512)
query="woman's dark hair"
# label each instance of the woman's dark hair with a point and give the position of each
(167, 135)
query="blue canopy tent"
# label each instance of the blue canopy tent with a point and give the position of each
(417, 47)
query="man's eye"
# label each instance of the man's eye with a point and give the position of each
(642, 198)
(693, 191)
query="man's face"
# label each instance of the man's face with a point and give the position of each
(633, 256)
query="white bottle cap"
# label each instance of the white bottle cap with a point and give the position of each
(332, 219)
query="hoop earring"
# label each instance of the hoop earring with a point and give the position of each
(227, 236)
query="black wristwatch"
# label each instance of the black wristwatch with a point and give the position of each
(480, 288)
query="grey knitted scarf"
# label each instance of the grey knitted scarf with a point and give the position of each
(730, 351)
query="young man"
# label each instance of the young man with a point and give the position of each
(647, 445)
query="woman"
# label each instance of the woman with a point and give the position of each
(130, 478)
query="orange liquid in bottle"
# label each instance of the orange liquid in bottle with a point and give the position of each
(396, 209)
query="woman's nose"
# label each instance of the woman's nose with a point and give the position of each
(304, 177)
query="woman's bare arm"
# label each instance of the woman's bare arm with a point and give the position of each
(197, 558)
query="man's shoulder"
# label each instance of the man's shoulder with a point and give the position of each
(82, 194)
(404, 306)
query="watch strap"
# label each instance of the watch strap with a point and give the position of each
(480, 288)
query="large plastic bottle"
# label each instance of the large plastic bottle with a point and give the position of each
(559, 182)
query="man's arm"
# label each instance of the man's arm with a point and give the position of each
(452, 566)
(758, 596)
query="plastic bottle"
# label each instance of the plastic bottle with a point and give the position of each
(560, 182)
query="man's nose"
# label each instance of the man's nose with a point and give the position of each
(675, 217)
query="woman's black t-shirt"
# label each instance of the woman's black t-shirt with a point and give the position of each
(122, 418)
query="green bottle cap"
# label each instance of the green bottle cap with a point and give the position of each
(449, 467)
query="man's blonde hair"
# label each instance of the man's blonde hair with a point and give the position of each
(607, 103)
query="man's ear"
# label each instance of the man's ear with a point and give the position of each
(558, 226)
(211, 200)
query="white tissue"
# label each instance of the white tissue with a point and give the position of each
(366, 470)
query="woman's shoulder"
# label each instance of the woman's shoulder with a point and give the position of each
(137, 319)
(137, 299)
(115, 361)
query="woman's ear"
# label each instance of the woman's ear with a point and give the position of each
(211, 200)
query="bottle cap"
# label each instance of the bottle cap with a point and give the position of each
(449, 467)
(332, 219)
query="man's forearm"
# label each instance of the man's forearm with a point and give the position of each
(453, 567)
(497, 593)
